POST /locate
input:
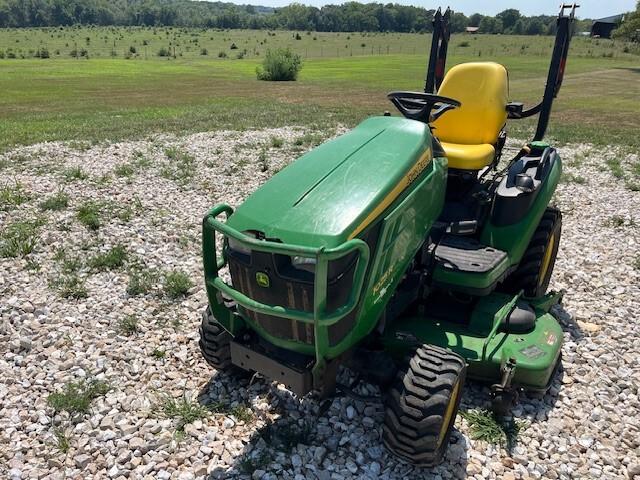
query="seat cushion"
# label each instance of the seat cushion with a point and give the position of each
(469, 157)
(483, 89)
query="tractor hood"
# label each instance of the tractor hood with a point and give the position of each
(333, 192)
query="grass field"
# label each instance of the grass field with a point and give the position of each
(105, 97)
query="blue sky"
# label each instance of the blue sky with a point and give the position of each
(588, 8)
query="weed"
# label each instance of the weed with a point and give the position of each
(69, 286)
(124, 170)
(636, 263)
(633, 186)
(62, 440)
(76, 398)
(183, 410)
(89, 215)
(615, 221)
(19, 239)
(177, 284)
(615, 167)
(181, 168)
(56, 202)
(125, 214)
(484, 426)
(277, 142)
(109, 260)
(33, 265)
(140, 281)
(128, 325)
(12, 196)
(571, 178)
(140, 160)
(75, 173)
(242, 413)
(158, 353)
(264, 163)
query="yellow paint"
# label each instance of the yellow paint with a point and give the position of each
(469, 132)
(448, 414)
(407, 180)
(546, 261)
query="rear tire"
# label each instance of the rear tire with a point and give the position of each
(534, 271)
(214, 342)
(422, 405)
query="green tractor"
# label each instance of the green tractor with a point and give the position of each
(403, 251)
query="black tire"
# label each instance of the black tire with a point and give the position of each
(214, 342)
(534, 271)
(422, 405)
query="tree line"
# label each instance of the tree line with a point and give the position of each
(347, 17)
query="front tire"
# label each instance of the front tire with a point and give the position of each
(422, 405)
(214, 342)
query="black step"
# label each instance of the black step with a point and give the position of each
(466, 254)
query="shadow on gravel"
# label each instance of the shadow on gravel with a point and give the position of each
(312, 436)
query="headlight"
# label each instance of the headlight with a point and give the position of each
(304, 263)
(239, 247)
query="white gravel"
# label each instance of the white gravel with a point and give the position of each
(588, 426)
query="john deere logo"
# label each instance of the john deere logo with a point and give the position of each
(262, 279)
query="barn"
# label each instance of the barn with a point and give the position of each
(603, 27)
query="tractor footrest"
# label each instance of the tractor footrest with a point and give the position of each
(299, 381)
(467, 254)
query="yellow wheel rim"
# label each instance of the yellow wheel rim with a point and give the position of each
(448, 414)
(546, 261)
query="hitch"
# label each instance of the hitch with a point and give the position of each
(503, 394)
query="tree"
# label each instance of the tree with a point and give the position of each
(509, 18)
(630, 27)
(475, 19)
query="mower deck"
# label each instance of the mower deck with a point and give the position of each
(480, 334)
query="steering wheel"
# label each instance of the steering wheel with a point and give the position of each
(420, 106)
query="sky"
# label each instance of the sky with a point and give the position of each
(588, 8)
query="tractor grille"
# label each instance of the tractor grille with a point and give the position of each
(291, 288)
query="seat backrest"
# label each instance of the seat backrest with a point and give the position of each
(483, 89)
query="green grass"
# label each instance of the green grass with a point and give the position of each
(177, 284)
(183, 410)
(485, 427)
(124, 170)
(158, 353)
(19, 239)
(76, 398)
(179, 167)
(62, 440)
(89, 215)
(340, 82)
(12, 196)
(572, 178)
(110, 260)
(141, 281)
(75, 173)
(615, 167)
(128, 325)
(241, 413)
(69, 285)
(56, 202)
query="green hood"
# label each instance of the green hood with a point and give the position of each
(334, 191)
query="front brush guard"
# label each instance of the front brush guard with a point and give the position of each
(320, 318)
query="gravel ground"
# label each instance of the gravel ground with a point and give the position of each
(144, 346)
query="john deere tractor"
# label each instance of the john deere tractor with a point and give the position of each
(403, 250)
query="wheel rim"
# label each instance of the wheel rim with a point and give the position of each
(546, 260)
(449, 412)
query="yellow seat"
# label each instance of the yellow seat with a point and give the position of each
(469, 134)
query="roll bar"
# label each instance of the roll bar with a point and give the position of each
(438, 58)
